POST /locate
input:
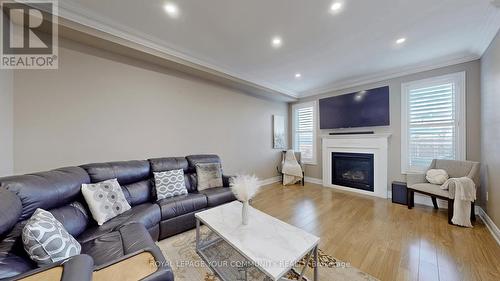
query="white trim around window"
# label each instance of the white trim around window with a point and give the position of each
(304, 131)
(433, 121)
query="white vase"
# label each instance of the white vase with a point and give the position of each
(244, 212)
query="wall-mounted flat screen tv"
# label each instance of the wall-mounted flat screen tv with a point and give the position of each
(361, 109)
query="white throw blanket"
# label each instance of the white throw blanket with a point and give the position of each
(465, 193)
(292, 172)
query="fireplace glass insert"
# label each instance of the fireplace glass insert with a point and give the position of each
(353, 170)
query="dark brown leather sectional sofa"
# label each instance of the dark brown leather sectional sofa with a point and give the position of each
(58, 191)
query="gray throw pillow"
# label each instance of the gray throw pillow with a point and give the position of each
(209, 175)
(46, 241)
(105, 200)
(170, 184)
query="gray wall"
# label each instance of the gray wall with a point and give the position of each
(6, 122)
(473, 115)
(490, 127)
(99, 106)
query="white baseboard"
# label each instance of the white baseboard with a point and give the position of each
(495, 232)
(269, 180)
(313, 180)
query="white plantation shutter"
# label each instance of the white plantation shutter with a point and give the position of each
(433, 113)
(304, 131)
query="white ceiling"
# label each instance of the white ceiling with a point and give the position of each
(331, 51)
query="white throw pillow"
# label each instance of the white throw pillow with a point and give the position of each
(170, 184)
(105, 200)
(46, 240)
(436, 176)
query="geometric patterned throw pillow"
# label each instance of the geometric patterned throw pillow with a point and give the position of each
(46, 241)
(170, 184)
(105, 200)
(208, 175)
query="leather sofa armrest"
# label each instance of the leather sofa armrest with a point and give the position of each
(144, 265)
(76, 268)
(414, 178)
(226, 180)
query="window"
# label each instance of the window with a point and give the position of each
(304, 131)
(433, 121)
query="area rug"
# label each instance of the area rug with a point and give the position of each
(180, 252)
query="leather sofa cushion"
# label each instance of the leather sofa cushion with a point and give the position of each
(138, 192)
(13, 259)
(12, 265)
(46, 190)
(114, 245)
(201, 159)
(191, 182)
(129, 240)
(10, 210)
(12, 241)
(126, 172)
(133, 176)
(182, 204)
(218, 196)
(74, 217)
(168, 164)
(147, 214)
(178, 224)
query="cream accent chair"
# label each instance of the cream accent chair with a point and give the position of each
(455, 169)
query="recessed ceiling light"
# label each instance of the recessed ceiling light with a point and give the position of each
(401, 40)
(298, 75)
(276, 42)
(336, 6)
(171, 9)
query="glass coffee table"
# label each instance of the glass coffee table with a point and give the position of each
(265, 249)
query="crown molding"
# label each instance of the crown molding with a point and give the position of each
(368, 79)
(90, 19)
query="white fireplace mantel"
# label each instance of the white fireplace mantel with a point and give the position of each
(376, 144)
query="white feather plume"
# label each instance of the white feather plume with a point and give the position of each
(244, 187)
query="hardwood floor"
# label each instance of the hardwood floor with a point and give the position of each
(384, 239)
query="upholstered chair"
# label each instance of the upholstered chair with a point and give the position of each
(298, 156)
(455, 169)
